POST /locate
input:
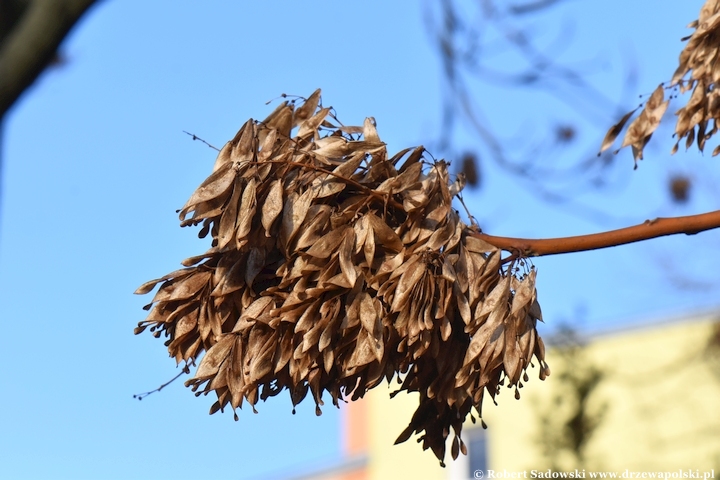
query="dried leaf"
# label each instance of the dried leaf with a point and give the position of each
(326, 246)
(345, 255)
(216, 185)
(177, 275)
(215, 357)
(184, 288)
(307, 109)
(294, 211)
(525, 293)
(248, 205)
(229, 215)
(369, 131)
(478, 245)
(281, 119)
(614, 131)
(385, 235)
(368, 315)
(272, 206)
(408, 280)
(255, 264)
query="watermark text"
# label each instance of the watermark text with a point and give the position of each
(626, 474)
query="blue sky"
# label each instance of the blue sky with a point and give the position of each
(96, 163)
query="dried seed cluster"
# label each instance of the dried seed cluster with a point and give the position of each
(333, 268)
(699, 59)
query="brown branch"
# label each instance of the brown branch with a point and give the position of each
(658, 227)
(30, 44)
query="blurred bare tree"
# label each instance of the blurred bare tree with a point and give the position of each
(470, 38)
(572, 417)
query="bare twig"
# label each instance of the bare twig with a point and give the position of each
(195, 137)
(466, 51)
(140, 396)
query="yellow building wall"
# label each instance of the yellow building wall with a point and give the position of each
(388, 418)
(662, 398)
(661, 394)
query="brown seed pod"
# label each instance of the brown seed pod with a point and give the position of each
(697, 120)
(333, 268)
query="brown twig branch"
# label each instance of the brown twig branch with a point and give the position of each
(659, 227)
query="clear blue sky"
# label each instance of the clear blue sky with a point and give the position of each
(95, 165)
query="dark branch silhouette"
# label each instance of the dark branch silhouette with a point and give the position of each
(31, 32)
(468, 41)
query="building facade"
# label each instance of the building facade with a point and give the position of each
(644, 399)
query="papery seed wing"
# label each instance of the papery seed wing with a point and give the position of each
(307, 109)
(614, 131)
(524, 293)
(272, 206)
(215, 357)
(215, 185)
